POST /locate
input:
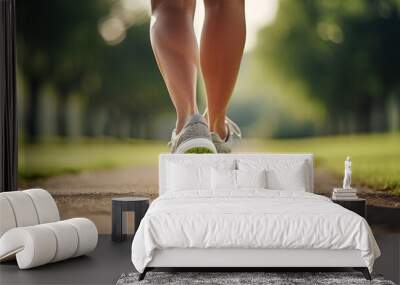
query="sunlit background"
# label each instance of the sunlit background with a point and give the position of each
(316, 76)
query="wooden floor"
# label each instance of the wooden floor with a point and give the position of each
(111, 259)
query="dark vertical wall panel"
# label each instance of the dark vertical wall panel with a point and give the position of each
(8, 108)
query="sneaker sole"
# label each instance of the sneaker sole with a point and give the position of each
(199, 150)
(196, 145)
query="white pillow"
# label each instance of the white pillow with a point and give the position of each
(281, 174)
(293, 179)
(181, 177)
(251, 178)
(223, 179)
(227, 179)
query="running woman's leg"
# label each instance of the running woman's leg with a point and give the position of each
(175, 48)
(221, 48)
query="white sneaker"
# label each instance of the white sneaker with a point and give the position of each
(193, 138)
(225, 145)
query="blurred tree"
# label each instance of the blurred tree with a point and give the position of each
(80, 55)
(67, 44)
(57, 42)
(346, 52)
(132, 92)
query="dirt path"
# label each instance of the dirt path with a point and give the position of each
(139, 180)
(144, 181)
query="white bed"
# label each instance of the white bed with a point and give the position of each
(280, 225)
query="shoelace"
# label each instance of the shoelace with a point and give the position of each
(233, 128)
(170, 143)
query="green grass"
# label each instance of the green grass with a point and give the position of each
(55, 158)
(376, 158)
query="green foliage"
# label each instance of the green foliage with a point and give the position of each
(376, 158)
(57, 43)
(131, 85)
(55, 35)
(344, 52)
(60, 44)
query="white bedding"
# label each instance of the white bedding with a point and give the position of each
(250, 219)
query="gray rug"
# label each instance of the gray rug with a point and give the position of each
(231, 278)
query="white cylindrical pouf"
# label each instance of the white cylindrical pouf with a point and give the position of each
(87, 235)
(7, 218)
(67, 239)
(34, 246)
(45, 205)
(24, 210)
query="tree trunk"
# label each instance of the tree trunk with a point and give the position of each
(393, 106)
(379, 115)
(108, 127)
(32, 116)
(88, 121)
(332, 126)
(62, 101)
(363, 116)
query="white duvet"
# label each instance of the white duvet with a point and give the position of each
(250, 219)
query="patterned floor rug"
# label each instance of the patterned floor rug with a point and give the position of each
(233, 278)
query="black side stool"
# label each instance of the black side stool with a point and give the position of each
(357, 205)
(139, 205)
